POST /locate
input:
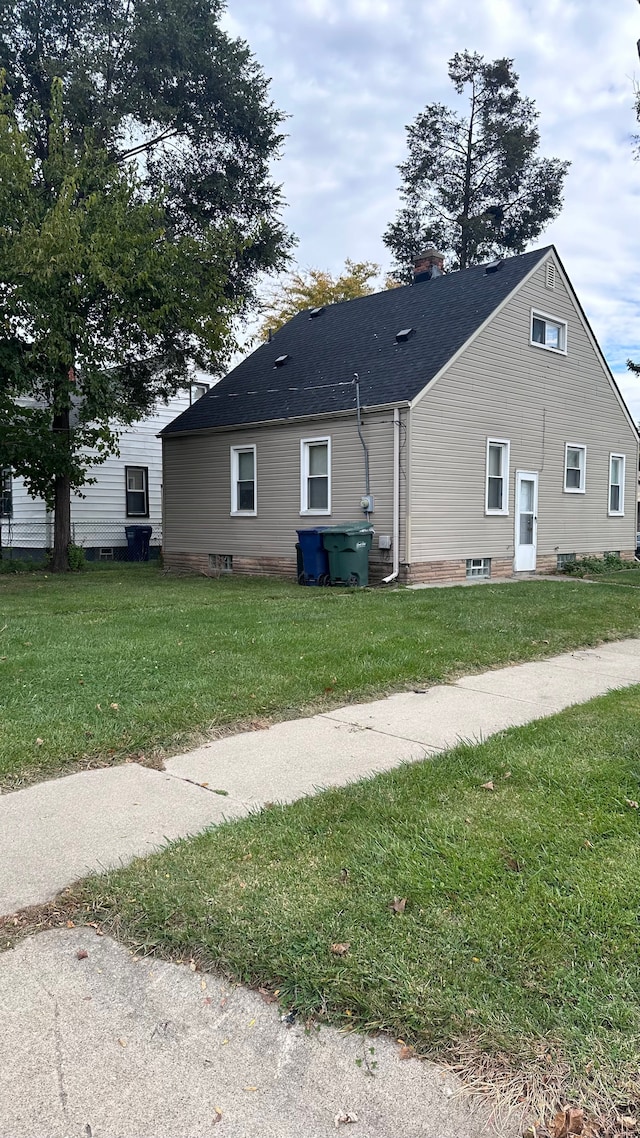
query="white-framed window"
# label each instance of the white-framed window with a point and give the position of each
(244, 496)
(6, 492)
(137, 491)
(575, 468)
(497, 477)
(315, 476)
(548, 332)
(197, 390)
(616, 485)
(478, 566)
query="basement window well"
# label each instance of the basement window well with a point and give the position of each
(478, 566)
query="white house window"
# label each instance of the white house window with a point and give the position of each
(198, 390)
(616, 485)
(6, 495)
(315, 476)
(243, 480)
(548, 332)
(575, 463)
(478, 566)
(497, 478)
(137, 488)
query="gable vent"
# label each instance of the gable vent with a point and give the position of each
(315, 312)
(281, 361)
(550, 275)
(494, 266)
(404, 334)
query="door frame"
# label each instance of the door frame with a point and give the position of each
(525, 475)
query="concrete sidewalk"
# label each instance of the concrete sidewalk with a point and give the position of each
(53, 833)
(99, 1044)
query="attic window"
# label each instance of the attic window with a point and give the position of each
(281, 360)
(315, 312)
(494, 266)
(550, 275)
(404, 334)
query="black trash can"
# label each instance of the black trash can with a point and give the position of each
(315, 563)
(138, 538)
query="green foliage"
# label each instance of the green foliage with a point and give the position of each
(473, 185)
(136, 212)
(315, 288)
(17, 565)
(590, 566)
(77, 558)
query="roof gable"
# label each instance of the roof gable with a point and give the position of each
(359, 336)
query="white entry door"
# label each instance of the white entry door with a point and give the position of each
(526, 521)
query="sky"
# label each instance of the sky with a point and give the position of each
(351, 74)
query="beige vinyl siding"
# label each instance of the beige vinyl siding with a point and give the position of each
(197, 488)
(503, 387)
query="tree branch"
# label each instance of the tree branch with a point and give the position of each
(145, 146)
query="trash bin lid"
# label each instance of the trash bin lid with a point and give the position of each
(350, 528)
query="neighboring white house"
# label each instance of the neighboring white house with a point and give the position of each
(127, 491)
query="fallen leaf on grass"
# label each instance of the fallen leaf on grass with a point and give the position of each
(632, 803)
(39, 742)
(267, 996)
(398, 905)
(340, 949)
(568, 1121)
(114, 706)
(344, 1117)
(82, 954)
(487, 786)
(512, 863)
(406, 1052)
(344, 874)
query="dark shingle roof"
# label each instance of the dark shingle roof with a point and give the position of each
(358, 336)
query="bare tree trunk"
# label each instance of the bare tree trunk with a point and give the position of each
(62, 507)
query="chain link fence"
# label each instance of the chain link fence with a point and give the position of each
(101, 540)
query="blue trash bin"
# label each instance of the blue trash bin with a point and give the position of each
(315, 563)
(138, 538)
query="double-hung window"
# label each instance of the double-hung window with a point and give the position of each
(315, 476)
(616, 485)
(6, 496)
(137, 491)
(244, 498)
(548, 332)
(497, 477)
(575, 468)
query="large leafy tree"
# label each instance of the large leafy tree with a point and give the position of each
(137, 211)
(473, 184)
(314, 288)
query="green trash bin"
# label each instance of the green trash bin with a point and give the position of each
(348, 548)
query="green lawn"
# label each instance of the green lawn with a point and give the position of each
(129, 661)
(520, 933)
(621, 577)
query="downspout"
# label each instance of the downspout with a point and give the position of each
(367, 488)
(396, 499)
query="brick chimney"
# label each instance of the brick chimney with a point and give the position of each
(428, 265)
